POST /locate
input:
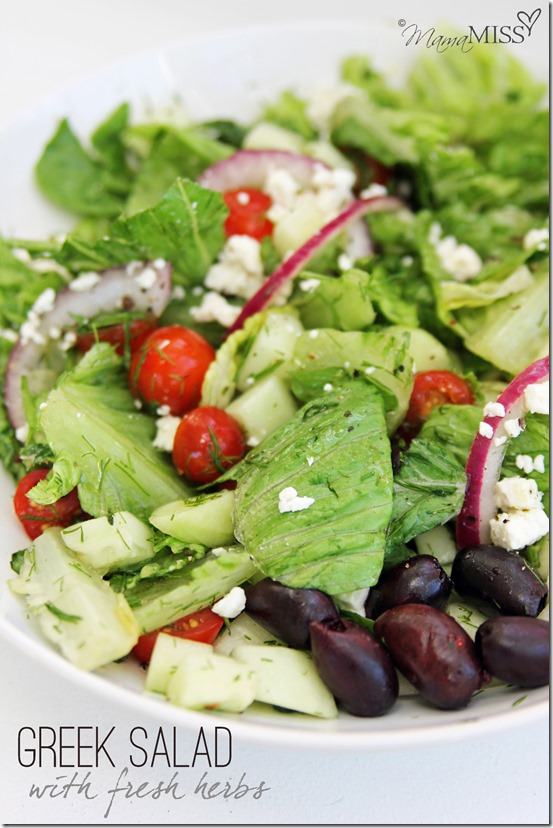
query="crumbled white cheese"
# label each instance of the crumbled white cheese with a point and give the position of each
(486, 430)
(539, 463)
(310, 461)
(8, 335)
(309, 284)
(499, 441)
(178, 292)
(166, 428)
(494, 409)
(243, 198)
(163, 411)
(333, 189)
(517, 493)
(525, 463)
(252, 441)
(146, 279)
(282, 188)
(218, 551)
(134, 268)
(54, 332)
(232, 604)
(538, 238)
(22, 433)
(84, 282)
(159, 264)
(374, 191)
(215, 308)
(513, 427)
(313, 334)
(370, 370)
(239, 271)
(345, 262)
(459, 260)
(45, 302)
(536, 398)
(407, 261)
(289, 501)
(328, 386)
(69, 340)
(517, 529)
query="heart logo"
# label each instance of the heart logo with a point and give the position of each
(528, 20)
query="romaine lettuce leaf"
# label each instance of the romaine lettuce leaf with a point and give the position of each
(335, 451)
(102, 444)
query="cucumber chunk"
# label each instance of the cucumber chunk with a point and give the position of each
(214, 681)
(439, 543)
(271, 350)
(107, 544)
(288, 678)
(427, 352)
(266, 135)
(162, 600)
(264, 408)
(168, 652)
(243, 630)
(76, 609)
(205, 519)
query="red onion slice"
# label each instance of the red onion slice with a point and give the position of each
(486, 457)
(250, 168)
(144, 288)
(297, 261)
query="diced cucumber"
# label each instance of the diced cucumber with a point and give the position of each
(205, 519)
(427, 352)
(168, 653)
(271, 350)
(301, 223)
(288, 678)
(439, 543)
(266, 135)
(243, 630)
(263, 408)
(161, 601)
(327, 153)
(214, 681)
(77, 610)
(107, 544)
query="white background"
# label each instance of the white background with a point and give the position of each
(497, 779)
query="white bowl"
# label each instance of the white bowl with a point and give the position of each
(228, 74)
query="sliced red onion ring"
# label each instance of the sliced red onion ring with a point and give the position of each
(250, 168)
(146, 288)
(486, 458)
(297, 261)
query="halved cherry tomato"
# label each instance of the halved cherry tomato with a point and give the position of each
(169, 368)
(117, 336)
(247, 216)
(36, 518)
(433, 388)
(203, 626)
(208, 441)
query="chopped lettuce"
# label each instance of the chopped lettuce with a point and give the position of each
(102, 444)
(335, 455)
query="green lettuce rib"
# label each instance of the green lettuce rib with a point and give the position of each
(336, 451)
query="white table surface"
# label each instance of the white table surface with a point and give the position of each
(497, 779)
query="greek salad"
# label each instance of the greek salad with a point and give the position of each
(277, 408)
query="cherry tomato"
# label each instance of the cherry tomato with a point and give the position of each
(169, 368)
(117, 335)
(208, 441)
(433, 388)
(203, 626)
(247, 216)
(36, 518)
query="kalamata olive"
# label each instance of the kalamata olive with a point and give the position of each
(433, 652)
(418, 580)
(287, 612)
(504, 579)
(354, 666)
(515, 649)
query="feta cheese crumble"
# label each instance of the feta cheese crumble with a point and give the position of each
(536, 398)
(486, 430)
(166, 427)
(513, 427)
(309, 284)
(374, 191)
(231, 604)
(290, 501)
(239, 270)
(538, 238)
(494, 409)
(84, 282)
(215, 308)
(517, 493)
(517, 529)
